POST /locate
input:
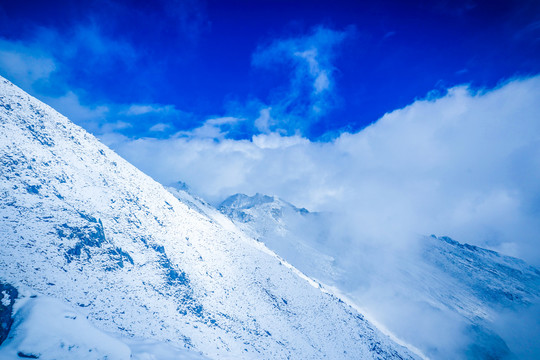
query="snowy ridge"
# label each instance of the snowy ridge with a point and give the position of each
(79, 223)
(484, 276)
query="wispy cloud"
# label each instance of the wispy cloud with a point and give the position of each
(26, 65)
(46, 58)
(306, 63)
(86, 40)
(160, 127)
(106, 118)
(213, 129)
(48, 51)
(144, 109)
(309, 59)
(39, 66)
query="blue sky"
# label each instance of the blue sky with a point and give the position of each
(416, 118)
(181, 63)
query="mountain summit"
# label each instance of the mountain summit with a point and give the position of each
(80, 224)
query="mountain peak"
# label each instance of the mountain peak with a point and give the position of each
(243, 201)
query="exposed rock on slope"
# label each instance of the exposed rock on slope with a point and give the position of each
(8, 294)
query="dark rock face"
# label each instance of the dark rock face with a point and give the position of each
(8, 294)
(88, 240)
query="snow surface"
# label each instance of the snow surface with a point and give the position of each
(80, 224)
(452, 292)
(47, 328)
(6, 301)
(44, 328)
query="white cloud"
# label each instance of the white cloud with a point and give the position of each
(160, 127)
(214, 128)
(465, 165)
(143, 109)
(70, 105)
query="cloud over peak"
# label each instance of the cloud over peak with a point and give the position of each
(463, 165)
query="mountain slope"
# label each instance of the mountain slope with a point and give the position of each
(79, 223)
(263, 213)
(455, 293)
(284, 228)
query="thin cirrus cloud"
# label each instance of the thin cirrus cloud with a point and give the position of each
(25, 64)
(48, 52)
(309, 60)
(87, 40)
(41, 66)
(464, 165)
(143, 109)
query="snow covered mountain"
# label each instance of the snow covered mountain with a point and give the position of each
(463, 299)
(285, 229)
(81, 225)
(255, 210)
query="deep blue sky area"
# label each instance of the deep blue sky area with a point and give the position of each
(198, 56)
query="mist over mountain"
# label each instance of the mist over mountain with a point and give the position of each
(464, 301)
(81, 225)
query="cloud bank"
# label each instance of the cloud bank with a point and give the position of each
(465, 165)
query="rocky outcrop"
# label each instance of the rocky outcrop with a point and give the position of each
(8, 294)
